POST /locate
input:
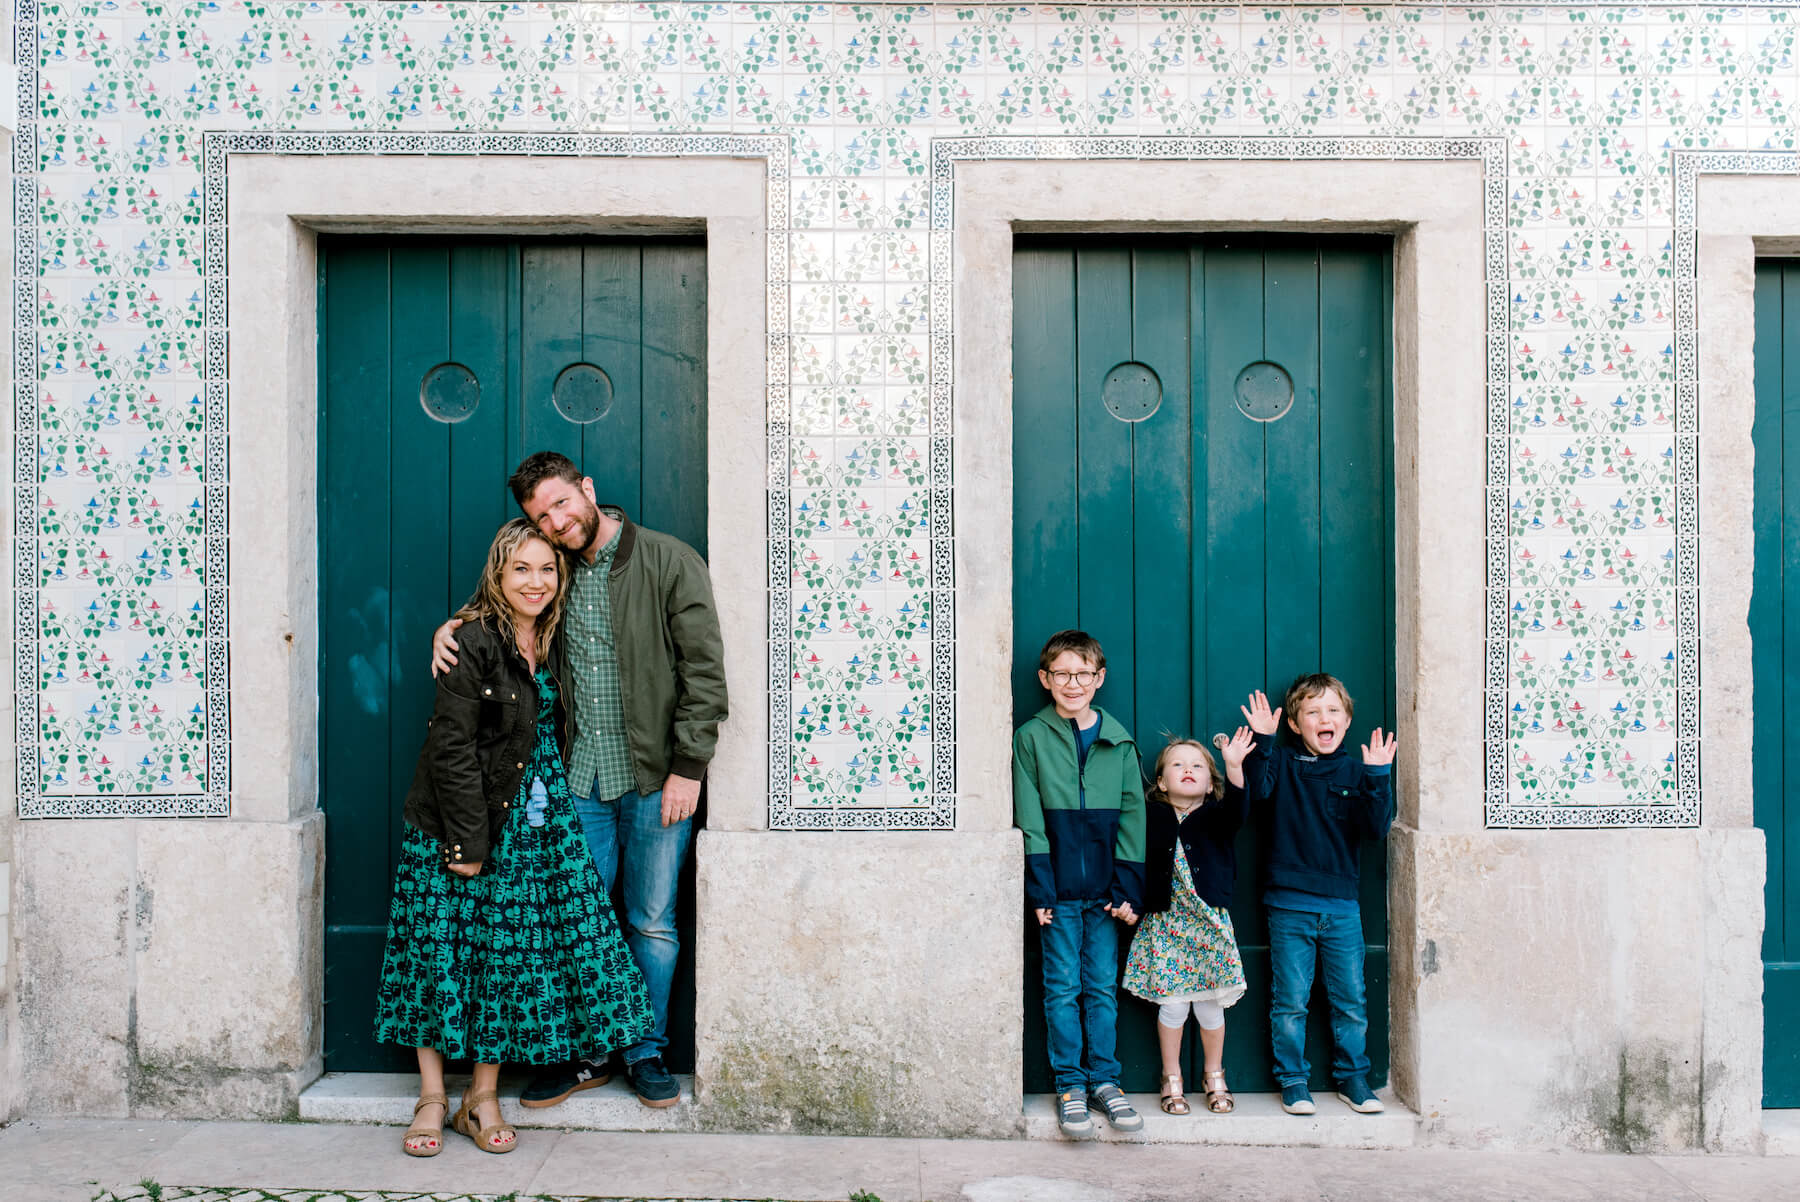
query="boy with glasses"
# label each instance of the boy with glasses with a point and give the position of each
(1078, 797)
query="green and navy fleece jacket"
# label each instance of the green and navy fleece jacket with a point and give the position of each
(1083, 822)
(1320, 810)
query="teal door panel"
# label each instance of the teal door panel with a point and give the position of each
(1211, 553)
(1775, 664)
(439, 366)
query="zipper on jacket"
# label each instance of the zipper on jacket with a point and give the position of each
(612, 601)
(1081, 797)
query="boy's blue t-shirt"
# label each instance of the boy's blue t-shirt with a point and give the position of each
(1084, 742)
(1309, 903)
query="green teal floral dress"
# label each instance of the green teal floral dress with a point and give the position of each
(1187, 953)
(522, 963)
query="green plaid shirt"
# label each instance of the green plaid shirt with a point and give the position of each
(600, 759)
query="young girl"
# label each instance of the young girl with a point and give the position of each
(1185, 953)
(501, 943)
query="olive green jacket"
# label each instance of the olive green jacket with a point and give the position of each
(671, 658)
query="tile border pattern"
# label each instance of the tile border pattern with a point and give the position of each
(1499, 810)
(215, 800)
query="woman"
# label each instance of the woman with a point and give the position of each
(501, 943)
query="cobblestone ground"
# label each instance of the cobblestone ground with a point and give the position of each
(150, 1192)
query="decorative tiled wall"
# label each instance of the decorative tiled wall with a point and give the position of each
(122, 409)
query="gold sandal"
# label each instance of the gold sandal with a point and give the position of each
(1173, 1100)
(484, 1137)
(1218, 1098)
(435, 1134)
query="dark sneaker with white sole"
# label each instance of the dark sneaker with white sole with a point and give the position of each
(1355, 1093)
(653, 1083)
(557, 1082)
(1072, 1116)
(1297, 1099)
(1118, 1111)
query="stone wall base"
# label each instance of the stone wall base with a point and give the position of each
(864, 984)
(172, 968)
(1598, 990)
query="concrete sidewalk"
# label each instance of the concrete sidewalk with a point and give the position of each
(79, 1160)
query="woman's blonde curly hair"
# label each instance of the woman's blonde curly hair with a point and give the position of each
(489, 601)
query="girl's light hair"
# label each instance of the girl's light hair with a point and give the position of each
(490, 602)
(1217, 778)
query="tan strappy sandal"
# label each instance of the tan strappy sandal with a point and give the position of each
(1173, 1100)
(434, 1134)
(1218, 1098)
(484, 1137)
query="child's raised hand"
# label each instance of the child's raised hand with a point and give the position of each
(1258, 716)
(1377, 750)
(1044, 915)
(1234, 749)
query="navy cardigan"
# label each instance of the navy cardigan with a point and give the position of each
(1208, 837)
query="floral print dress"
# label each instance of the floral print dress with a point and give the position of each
(1187, 953)
(522, 963)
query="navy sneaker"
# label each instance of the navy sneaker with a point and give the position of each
(555, 1083)
(1355, 1093)
(1297, 1099)
(652, 1083)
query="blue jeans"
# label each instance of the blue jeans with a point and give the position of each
(631, 845)
(1081, 977)
(1297, 940)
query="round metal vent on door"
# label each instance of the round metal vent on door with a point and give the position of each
(1264, 391)
(1131, 392)
(450, 392)
(582, 393)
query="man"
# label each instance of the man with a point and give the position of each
(642, 670)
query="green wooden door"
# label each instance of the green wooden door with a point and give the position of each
(1212, 548)
(1775, 659)
(442, 363)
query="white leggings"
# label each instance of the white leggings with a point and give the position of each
(1210, 1015)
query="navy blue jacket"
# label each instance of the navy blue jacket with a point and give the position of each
(1208, 837)
(1321, 808)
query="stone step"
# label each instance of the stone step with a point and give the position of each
(1781, 1132)
(389, 1098)
(1258, 1120)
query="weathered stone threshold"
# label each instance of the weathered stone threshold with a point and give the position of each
(1257, 1122)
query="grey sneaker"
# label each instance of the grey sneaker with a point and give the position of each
(1072, 1116)
(1111, 1099)
(1355, 1093)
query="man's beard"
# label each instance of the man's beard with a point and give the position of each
(589, 525)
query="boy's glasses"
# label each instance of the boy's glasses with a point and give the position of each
(1080, 680)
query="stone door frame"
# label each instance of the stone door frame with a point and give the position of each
(275, 195)
(1731, 208)
(1437, 211)
(278, 204)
